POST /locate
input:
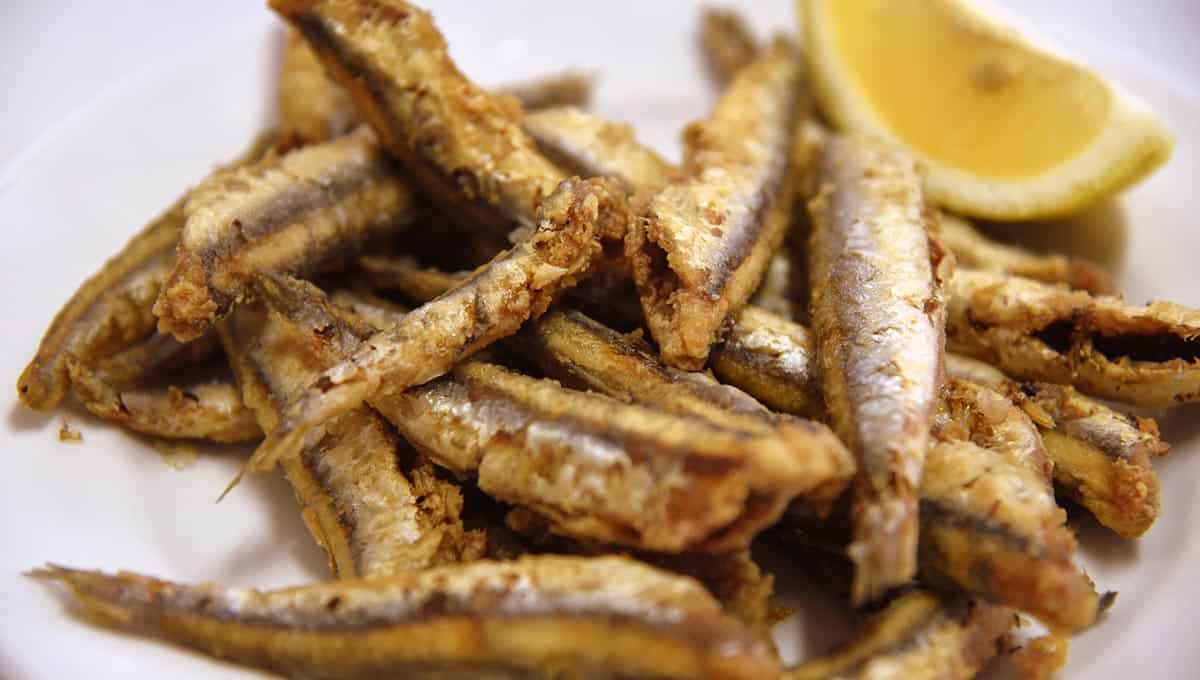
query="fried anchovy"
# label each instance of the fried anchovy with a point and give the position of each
(1149, 356)
(538, 617)
(312, 108)
(764, 355)
(493, 303)
(734, 578)
(552, 91)
(368, 503)
(920, 636)
(111, 310)
(991, 528)
(121, 389)
(1102, 458)
(774, 291)
(969, 411)
(585, 354)
(702, 243)
(301, 212)
(461, 144)
(773, 360)
(600, 469)
(875, 272)
(726, 43)
(592, 146)
(973, 249)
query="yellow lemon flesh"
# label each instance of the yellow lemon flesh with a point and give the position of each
(1003, 130)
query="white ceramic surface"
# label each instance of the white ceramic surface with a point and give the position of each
(77, 193)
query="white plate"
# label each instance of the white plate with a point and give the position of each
(77, 194)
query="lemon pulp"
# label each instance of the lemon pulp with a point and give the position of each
(964, 93)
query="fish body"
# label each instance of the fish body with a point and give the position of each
(878, 313)
(702, 243)
(537, 617)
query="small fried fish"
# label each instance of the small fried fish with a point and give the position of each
(701, 244)
(876, 272)
(298, 213)
(1147, 356)
(537, 617)
(918, 636)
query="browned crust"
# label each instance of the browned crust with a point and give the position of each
(597, 618)
(112, 309)
(702, 243)
(726, 43)
(462, 145)
(973, 249)
(309, 209)
(602, 470)
(311, 107)
(493, 303)
(1148, 356)
(367, 499)
(920, 636)
(876, 274)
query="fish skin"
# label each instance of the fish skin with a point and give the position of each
(296, 213)
(208, 409)
(600, 469)
(876, 272)
(591, 146)
(974, 250)
(726, 42)
(569, 346)
(462, 145)
(988, 417)
(991, 529)
(1102, 458)
(773, 360)
(313, 109)
(537, 617)
(702, 242)
(494, 302)
(1104, 347)
(919, 636)
(112, 309)
(367, 499)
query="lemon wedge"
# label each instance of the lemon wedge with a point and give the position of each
(1003, 129)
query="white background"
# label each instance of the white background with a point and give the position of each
(56, 55)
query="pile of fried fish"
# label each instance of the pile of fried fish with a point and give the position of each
(537, 389)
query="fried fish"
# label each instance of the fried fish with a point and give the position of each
(367, 499)
(876, 274)
(537, 617)
(300, 212)
(1146, 356)
(701, 244)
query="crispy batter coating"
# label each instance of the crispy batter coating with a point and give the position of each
(726, 43)
(702, 243)
(367, 500)
(1102, 458)
(973, 249)
(461, 144)
(493, 303)
(311, 107)
(112, 309)
(591, 146)
(603, 470)
(773, 360)
(1148, 356)
(876, 274)
(537, 617)
(301, 212)
(991, 528)
(919, 636)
